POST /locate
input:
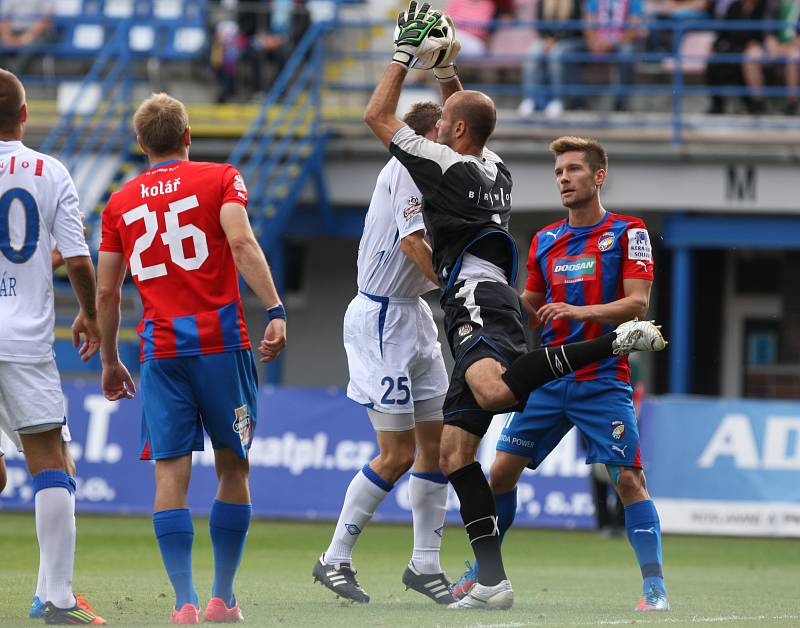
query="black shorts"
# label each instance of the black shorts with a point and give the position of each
(483, 319)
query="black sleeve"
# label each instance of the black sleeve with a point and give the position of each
(424, 159)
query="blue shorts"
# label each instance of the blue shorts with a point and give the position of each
(183, 396)
(601, 409)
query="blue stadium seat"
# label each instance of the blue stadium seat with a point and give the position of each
(119, 9)
(185, 42)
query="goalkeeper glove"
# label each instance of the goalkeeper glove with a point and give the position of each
(446, 70)
(413, 27)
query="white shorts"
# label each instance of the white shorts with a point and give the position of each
(30, 398)
(393, 353)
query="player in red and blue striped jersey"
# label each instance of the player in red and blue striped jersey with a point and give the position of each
(586, 274)
(182, 228)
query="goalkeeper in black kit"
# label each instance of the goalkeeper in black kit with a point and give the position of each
(467, 205)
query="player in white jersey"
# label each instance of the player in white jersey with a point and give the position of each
(39, 206)
(397, 372)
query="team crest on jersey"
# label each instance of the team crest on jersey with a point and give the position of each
(464, 330)
(413, 207)
(606, 241)
(243, 425)
(574, 269)
(617, 430)
(639, 245)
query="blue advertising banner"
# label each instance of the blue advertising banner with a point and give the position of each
(308, 444)
(723, 466)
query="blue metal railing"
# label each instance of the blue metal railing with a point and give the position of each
(671, 65)
(91, 130)
(274, 154)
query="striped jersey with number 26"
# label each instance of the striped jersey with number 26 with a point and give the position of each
(166, 222)
(586, 266)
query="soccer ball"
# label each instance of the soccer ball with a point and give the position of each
(436, 47)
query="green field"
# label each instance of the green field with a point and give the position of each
(559, 578)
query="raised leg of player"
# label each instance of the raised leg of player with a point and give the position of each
(644, 533)
(173, 526)
(540, 366)
(228, 525)
(55, 513)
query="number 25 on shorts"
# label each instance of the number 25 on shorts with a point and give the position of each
(403, 394)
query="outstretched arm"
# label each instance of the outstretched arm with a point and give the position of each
(414, 27)
(380, 115)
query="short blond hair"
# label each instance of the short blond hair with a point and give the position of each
(593, 150)
(160, 122)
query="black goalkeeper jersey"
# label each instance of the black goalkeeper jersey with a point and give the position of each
(466, 203)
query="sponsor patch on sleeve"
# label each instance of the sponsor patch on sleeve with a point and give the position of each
(639, 245)
(413, 207)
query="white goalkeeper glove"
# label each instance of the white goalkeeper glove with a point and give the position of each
(413, 27)
(446, 70)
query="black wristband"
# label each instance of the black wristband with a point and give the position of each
(277, 312)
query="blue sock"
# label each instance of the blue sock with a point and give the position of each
(175, 535)
(228, 525)
(506, 510)
(644, 533)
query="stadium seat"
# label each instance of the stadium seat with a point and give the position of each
(186, 41)
(67, 8)
(142, 38)
(87, 37)
(168, 9)
(118, 9)
(695, 48)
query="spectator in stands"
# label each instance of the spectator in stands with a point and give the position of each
(786, 43)
(666, 11)
(22, 24)
(754, 44)
(473, 19)
(615, 26)
(263, 37)
(545, 59)
(225, 50)
(272, 33)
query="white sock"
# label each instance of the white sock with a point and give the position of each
(428, 507)
(362, 498)
(41, 587)
(41, 581)
(55, 529)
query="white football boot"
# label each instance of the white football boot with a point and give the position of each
(638, 335)
(497, 597)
